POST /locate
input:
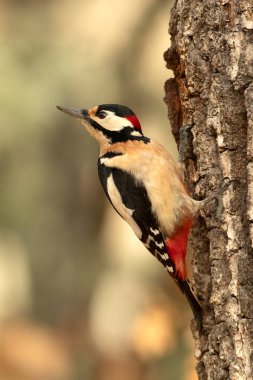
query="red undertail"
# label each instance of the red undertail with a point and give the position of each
(177, 249)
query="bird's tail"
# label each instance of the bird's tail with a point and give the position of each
(187, 290)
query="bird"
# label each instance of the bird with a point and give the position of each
(145, 186)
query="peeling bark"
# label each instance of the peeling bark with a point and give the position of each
(211, 56)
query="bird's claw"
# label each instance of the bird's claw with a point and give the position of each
(217, 196)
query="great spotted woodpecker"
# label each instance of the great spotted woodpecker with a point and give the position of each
(144, 185)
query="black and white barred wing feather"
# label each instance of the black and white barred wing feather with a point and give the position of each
(131, 201)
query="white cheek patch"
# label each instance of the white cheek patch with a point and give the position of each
(113, 122)
(124, 212)
(135, 133)
(116, 123)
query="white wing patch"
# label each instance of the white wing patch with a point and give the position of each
(154, 231)
(170, 269)
(165, 256)
(151, 238)
(117, 202)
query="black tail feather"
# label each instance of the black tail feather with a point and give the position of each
(185, 287)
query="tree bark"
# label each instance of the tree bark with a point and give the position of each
(211, 55)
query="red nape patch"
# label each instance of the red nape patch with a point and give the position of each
(177, 249)
(133, 119)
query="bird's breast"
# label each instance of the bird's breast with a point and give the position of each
(152, 166)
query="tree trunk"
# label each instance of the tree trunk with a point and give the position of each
(211, 56)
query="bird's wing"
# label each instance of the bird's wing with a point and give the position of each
(131, 201)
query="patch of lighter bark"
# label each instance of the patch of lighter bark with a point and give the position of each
(234, 40)
(240, 367)
(250, 193)
(249, 108)
(214, 111)
(231, 224)
(247, 19)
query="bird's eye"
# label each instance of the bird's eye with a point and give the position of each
(102, 114)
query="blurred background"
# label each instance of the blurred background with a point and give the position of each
(80, 298)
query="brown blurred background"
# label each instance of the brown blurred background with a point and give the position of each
(80, 298)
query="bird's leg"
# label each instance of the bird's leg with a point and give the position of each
(217, 196)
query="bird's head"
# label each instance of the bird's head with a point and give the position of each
(108, 122)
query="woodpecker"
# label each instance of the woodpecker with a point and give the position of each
(144, 185)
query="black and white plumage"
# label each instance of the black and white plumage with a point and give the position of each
(144, 185)
(130, 199)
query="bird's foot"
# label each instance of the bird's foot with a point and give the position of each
(217, 196)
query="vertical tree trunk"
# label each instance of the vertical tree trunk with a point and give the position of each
(212, 58)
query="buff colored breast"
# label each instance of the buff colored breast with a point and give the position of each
(152, 165)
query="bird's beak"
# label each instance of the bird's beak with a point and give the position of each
(78, 114)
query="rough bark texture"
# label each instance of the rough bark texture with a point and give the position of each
(212, 59)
